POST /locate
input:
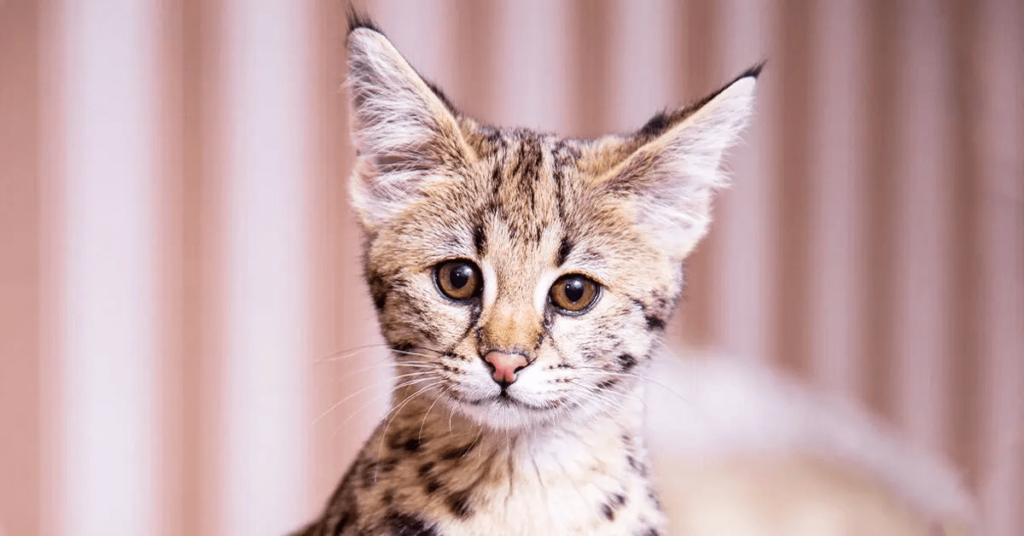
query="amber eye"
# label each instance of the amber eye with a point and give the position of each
(574, 293)
(458, 279)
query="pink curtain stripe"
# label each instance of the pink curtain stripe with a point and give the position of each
(836, 156)
(107, 186)
(1001, 118)
(922, 189)
(266, 131)
(743, 293)
(20, 269)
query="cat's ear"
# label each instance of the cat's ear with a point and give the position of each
(676, 164)
(404, 129)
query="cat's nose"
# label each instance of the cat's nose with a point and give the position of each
(505, 365)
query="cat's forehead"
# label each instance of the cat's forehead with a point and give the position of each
(523, 179)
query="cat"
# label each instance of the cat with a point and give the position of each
(523, 282)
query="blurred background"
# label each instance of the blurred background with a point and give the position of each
(177, 256)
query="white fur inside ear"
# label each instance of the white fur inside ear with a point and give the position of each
(715, 127)
(397, 126)
(689, 159)
(395, 110)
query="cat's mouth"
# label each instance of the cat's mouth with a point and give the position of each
(504, 399)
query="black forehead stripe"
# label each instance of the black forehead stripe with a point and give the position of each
(563, 155)
(519, 160)
(479, 240)
(495, 182)
(564, 250)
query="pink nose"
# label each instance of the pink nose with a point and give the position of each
(505, 365)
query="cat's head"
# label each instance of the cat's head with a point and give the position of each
(496, 254)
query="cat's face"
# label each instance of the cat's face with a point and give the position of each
(498, 255)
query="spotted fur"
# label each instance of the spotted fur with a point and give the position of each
(558, 451)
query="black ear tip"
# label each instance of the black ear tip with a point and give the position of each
(754, 71)
(357, 20)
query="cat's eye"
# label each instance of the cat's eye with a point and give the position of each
(457, 279)
(574, 293)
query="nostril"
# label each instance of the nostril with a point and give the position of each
(505, 365)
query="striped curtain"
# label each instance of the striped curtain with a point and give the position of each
(185, 343)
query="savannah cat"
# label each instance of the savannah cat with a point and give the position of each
(522, 282)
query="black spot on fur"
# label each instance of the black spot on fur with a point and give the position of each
(343, 522)
(379, 289)
(408, 525)
(608, 512)
(653, 495)
(540, 340)
(654, 322)
(412, 445)
(479, 240)
(563, 250)
(458, 503)
(397, 441)
(432, 486)
(426, 468)
(607, 384)
(619, 499)
(627, 361)
(637, 466)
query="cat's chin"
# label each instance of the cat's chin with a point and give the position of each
(506, 412)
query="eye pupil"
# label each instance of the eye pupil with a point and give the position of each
(460, 276)
(574, 290)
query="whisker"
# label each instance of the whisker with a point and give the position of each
(436, 398)
(592, 389)
(364, 389)
(397, 410)
(601, 371)
(414, 354)
(345, 354)
(360, 370)
(375, 399)
(351, 352)
(599, 398)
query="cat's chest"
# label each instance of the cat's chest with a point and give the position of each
(519, 490)
(556, 503)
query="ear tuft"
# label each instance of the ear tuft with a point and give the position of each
(358, 20)
(754, 71)
(677, 166)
